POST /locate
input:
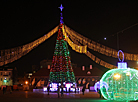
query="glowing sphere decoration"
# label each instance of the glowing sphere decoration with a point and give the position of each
(120, 84)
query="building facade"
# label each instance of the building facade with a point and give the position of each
(6, 77)
(83, 75)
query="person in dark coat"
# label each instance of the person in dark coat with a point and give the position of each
(83, 90)
(58, 91)
(62, 89)
(3, 90)
(10, 90)
(48, 88)
(98, 90)
(75, 89)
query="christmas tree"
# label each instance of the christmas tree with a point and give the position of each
(61, 69)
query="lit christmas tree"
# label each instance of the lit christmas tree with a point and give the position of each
(61, 69)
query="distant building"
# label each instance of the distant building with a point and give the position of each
(35, 68)
(28, 75)
(21, 80)
(87, 76)
(45, 63)
(83, 76)
(6, 77)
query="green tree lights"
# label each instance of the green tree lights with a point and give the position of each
(61, 69)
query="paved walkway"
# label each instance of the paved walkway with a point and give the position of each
(28, 96)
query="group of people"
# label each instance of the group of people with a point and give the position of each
(61, 87)
(7, 88)
(58, 91)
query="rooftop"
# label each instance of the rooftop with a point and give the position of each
(77, 71)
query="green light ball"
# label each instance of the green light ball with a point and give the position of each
(120, 84)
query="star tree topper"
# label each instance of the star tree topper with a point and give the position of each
(61, 7)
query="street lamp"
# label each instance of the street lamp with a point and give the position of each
(26, 82)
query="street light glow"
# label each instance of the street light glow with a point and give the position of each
(26, 82)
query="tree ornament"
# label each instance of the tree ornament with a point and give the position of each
(121, 83)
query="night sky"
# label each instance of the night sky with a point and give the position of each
(23, 21)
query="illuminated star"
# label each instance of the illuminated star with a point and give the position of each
(61, 7)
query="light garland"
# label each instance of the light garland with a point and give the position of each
(80, 49)
(94, 58)
(10, 55)
(99, 61)
(98, 47)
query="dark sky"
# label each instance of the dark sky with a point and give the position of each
(23, 21)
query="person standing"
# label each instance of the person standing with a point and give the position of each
(98, 90)
(75, 89)
(3, 90)
(48, 88)
(58, 91)
(10, 90)
(83, 90)
(62, 90)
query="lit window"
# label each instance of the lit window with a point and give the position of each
(48, 66)
(83, 67)
(89, 79)
(83, 81)
(88, 72)
(93, 79)
(90, 66)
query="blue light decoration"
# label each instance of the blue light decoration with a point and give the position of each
(61, 19)
(120, 84)
(121, 64)
(61, 7)
(100, 84)
(97, 86)
(105, 38)
(61, 16)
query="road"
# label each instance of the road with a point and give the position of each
(29, 96)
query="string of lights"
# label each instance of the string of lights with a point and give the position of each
(99, 47)
(77, 48)
(93, 57)
(10, 55)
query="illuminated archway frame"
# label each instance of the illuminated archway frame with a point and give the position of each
(120, 84)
